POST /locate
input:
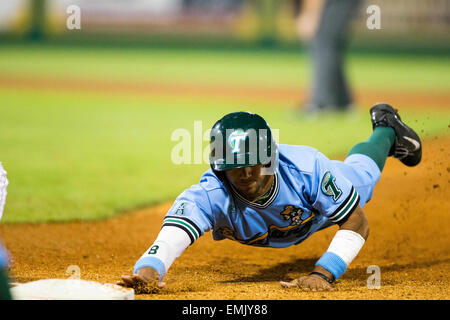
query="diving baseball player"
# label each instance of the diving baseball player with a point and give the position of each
(263, 194)
(4, 286)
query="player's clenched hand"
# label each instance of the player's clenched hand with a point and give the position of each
(145, 281)
(308, 283)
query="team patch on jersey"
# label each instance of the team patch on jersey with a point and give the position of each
(180, 209)
(329, 186)
(296, 216)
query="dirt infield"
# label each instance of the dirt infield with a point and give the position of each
(409, 240)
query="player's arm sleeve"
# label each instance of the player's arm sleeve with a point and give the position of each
(332, 194)
(187, 220)
(169, 245)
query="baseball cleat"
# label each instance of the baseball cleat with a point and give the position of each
(407, 146)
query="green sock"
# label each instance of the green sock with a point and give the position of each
(377, 146)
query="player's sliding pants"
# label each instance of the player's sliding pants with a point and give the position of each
(362, 172)
(365, 162)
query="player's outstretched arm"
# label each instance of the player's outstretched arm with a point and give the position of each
(344, 247)
(151, 268)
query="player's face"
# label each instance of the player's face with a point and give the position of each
(249, 181)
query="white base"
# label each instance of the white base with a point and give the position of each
(70, 289)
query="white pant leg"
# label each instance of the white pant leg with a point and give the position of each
(362, 172)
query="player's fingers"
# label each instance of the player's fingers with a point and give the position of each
(125, 279)
(126, 276)
(140, 284)
(129, 281)
(290, 284)
(141, 281)
(321, 286)
(122, 284)
(305, 288)
(316, 285)
(306, 284)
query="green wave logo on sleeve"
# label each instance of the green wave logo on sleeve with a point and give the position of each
(329, 186)
(180, 210)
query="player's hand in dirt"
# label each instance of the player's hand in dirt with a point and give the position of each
(144, 282)
(309, 283)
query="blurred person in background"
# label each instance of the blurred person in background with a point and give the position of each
(4, 282)
(324, 26)
(208, 6)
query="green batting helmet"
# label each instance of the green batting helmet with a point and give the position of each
(242, 139)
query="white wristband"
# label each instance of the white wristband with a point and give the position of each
(346, 244)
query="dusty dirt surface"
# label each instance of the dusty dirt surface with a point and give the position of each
(409, 241)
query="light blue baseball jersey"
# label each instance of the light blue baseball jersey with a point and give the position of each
(310, 193)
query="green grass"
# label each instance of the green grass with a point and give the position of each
(79, 155)
(413, 73)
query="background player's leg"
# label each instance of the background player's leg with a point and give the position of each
(330, 89)
(377, 147)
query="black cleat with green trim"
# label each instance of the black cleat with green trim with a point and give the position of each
(407, 146)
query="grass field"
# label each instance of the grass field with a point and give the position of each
(271, 68)
(75, 153)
